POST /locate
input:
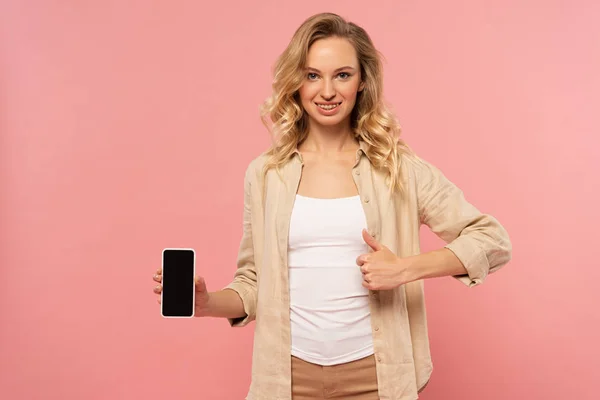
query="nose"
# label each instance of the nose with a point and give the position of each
(328, 90)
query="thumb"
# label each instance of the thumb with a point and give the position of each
(370, 240)
(200, 284)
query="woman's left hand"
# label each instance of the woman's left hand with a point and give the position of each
(382, 269)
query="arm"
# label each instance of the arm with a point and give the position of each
(437, 263)
(244, 281)
(476, 243)
(225, 303)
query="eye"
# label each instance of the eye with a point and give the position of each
(311, 76)
(345, 75)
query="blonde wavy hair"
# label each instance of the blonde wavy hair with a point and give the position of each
(371, 120)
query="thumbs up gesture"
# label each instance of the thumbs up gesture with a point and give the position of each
(382, 269)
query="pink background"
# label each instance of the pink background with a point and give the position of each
(126, 127)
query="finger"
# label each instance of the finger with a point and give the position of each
(157, 278)
(158, 300)
(200, 284)
(364, 268)
(159, 271)
(158, 289)
(374, 244)
(360, 260)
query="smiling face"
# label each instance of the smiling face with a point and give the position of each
(332, 82)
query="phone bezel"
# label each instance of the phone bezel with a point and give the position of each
(194, 292)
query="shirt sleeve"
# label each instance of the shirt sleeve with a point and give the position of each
(479, 241)
(244, 280)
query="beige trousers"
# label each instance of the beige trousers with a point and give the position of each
(356, 380)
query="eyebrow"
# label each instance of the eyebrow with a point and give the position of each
(337, 70)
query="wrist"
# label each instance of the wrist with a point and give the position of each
(413, 268)
(204, 307)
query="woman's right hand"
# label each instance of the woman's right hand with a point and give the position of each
(202, 295)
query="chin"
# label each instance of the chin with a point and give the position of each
(329, 121)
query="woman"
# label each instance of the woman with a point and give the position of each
(329, 263)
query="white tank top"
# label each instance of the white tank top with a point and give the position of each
(329, 307)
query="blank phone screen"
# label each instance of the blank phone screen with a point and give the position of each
(178, 283)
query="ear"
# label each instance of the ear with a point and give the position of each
(361, 86)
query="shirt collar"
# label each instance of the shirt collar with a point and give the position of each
(364, 147)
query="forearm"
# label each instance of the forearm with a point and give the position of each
(224, 303)
(437, 263)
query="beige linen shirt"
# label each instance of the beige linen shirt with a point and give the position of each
(399, 324)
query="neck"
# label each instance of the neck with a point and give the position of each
(329, 139)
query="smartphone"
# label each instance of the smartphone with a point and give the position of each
(178, 292)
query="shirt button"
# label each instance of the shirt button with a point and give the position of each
(379, 358)
(366, 199)
(357, 172)
(377, 329)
